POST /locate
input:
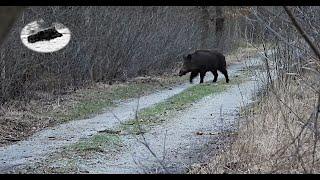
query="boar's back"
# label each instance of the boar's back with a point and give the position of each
(44, 35)
(208, 59)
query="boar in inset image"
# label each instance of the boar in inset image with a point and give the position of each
(44, 35)
(202, 61)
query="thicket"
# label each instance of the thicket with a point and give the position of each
(113, 44)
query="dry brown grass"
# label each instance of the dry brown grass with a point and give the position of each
(240, 54)
(274, 136)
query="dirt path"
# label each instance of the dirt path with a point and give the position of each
(183, 147)
(181, 141)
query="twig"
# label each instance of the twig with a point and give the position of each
(302, 32)
(11, 139)
(316, 133)
(145, 143)
(164, 146)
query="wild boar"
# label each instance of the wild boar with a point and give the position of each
(44, 35)
(202, 61)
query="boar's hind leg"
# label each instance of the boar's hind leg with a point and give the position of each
(193, 75)
(202, 74)
(215, 74)
(225, 73)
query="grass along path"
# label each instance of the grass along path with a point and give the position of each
(93, 101)
(154, 115)
(161, 111)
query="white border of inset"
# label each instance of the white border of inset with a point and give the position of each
(53, 45)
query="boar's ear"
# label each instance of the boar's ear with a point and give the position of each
(187, 57)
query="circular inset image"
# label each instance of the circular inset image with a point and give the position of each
(45, 39)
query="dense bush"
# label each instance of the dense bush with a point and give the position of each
(107, 44)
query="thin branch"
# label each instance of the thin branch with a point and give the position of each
(302, 32)
(316, 133)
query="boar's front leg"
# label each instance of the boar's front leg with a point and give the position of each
(193, 75)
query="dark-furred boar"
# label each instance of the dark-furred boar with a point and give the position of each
(44, 35)
(202, 61)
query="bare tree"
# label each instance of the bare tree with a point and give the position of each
(8, 15)
(220, 29)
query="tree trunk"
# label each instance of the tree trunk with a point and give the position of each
(219, 30)
(8, 15)
(204, 27)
